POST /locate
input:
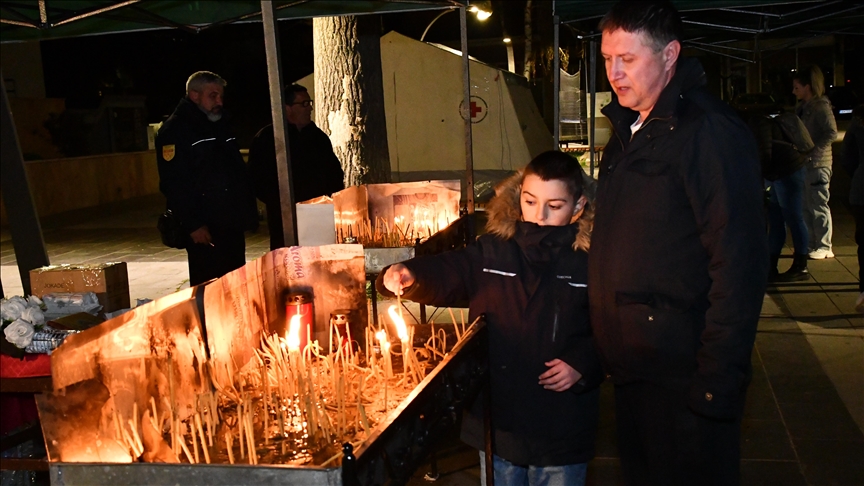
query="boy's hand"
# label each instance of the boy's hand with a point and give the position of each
(560, 376)
(397, 278)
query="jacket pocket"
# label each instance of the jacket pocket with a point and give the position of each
(651, 183)
(658, 332)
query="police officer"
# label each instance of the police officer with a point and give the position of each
(203, 177)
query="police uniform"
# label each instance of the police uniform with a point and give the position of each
(203, 177)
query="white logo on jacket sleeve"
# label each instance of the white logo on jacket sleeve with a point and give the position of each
(572, 284)
(499, 272)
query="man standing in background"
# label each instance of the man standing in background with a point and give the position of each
(315, 170)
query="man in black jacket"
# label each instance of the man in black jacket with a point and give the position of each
(203, 177)
(677, 263)
(315, 170)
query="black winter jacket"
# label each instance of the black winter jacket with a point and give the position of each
(532, 290)
(678, 255)
(201, 172)
(315, 169)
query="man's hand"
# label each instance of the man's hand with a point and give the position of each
(201, 236)
(397, 278)
(560, 376)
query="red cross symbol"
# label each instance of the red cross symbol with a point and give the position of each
(475, 110)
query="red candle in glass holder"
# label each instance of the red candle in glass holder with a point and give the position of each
(300, 303)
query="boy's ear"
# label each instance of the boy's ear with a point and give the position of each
(578, 208)
(580, 204)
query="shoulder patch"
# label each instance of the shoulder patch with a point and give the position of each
(168, 152)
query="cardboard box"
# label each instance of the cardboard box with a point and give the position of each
(110, 282)
(80, 321)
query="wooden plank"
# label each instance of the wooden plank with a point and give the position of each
(36, 384)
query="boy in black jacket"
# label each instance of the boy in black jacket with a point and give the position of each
(528, 276)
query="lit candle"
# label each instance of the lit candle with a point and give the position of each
(401, 328)
(407, 349)
(385, 352)
(292, 338)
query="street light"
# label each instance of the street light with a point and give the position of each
(482, 9)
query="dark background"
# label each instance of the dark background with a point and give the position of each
(157, 63)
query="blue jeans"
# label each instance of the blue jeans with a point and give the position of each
(509, 474)
(817, 214)
(786, 208)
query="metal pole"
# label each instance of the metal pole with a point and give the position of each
(556, 101)
(433, 21)
(466, 114)
(24, 224)
(592, 88)
(280, 132)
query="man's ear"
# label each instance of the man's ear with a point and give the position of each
(195, 96)
(670, 54)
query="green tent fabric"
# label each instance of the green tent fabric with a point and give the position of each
(22, 20)
(723, 20)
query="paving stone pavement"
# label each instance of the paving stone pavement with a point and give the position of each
(804, 418)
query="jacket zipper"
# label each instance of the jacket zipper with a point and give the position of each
(618, 136)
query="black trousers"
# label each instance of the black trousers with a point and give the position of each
(662, 442)
(227, 253)
(274, 226)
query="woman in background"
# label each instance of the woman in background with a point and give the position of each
(814, 109)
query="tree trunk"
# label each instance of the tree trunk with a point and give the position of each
(529, 50)
(349, 95)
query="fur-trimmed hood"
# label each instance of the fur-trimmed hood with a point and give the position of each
(505, 210)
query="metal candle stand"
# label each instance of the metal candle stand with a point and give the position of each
(392, 453)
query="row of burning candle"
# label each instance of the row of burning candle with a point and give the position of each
(380, 234)
(285, 398)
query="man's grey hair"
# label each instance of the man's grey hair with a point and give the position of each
(197, 81)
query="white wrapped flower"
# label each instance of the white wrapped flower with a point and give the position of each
(20, 333)
(18, 298)
(34, 316)
(34, 301)
(11, 309)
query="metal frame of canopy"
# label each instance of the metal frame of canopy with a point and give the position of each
(45, 19)
(833, 16)
(154, 14)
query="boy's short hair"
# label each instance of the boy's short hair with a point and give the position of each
(659, 21)
(555, 165)
(198, 80)
(811, 75)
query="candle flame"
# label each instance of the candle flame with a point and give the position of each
(382, 340)
(401, 328)
(292, 338)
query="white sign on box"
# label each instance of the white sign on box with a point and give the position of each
(316, 224)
